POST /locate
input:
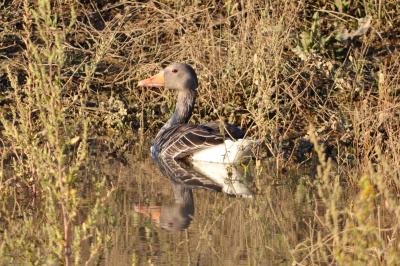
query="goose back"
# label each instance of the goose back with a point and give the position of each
(182, 140)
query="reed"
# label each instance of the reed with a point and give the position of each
(289, 73)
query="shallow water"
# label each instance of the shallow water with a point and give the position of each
(152, 218)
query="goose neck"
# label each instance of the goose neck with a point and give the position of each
(183, 109)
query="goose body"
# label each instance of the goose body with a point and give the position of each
(211, 142)
(230, 151)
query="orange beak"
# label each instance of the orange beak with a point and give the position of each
(152, 212)
(154, 81)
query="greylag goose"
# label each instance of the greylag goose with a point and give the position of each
(177, 139)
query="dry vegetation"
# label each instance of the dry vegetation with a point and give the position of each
(288, 72)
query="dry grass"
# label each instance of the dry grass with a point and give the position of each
(284, 71)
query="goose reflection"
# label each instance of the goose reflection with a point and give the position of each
(172, 217)
(184, 177)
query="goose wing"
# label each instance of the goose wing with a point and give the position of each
(182, 140)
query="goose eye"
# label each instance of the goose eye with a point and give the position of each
(174, 70)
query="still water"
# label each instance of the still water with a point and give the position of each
(172, 213)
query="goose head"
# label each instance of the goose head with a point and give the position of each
(177, 76)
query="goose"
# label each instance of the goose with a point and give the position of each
(177, 139)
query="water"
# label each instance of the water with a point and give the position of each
(154, 218)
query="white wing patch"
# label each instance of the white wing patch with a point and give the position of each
(227, 152)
